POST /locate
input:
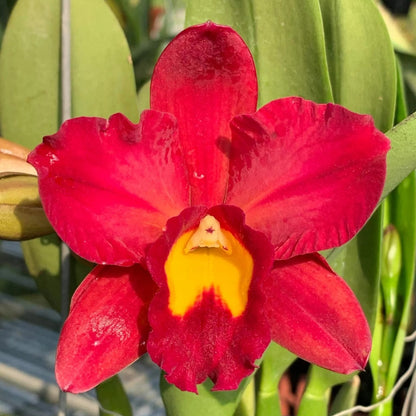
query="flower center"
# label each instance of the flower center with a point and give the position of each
(208, 259)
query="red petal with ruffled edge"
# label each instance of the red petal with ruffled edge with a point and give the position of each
(107, 326)
(205, 77)
(208, 340)
(307, 175)
(108, 187)
(314, 314)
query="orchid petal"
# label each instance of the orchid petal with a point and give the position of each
(205, 77)
(314, 314)
(107, 326)
(108, 188)
(210, 339)
(307, 175)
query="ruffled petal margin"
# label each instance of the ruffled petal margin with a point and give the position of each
(108, 187)
(107, 326)
(314, 314)
(307, 175)
(208, 341)
(205, 77)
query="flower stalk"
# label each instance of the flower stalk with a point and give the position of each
(275, 362)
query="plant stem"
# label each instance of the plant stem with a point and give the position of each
(275, 362)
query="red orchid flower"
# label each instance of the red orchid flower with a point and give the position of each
(205, 219)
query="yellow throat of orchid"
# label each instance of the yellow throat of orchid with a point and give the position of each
(208, 259)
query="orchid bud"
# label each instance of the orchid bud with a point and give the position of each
(13, 158)
(390, 268)
(21, 212)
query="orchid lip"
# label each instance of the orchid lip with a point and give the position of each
(202, 261)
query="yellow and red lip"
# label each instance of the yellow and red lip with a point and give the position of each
(205, 218)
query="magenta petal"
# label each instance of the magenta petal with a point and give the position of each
(307, 175)
(205, 77)
(314, 314)
(108, 187)
(107, 327)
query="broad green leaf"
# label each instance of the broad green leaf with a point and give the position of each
(290, 51)
(102, 73)
(360, 59)
(102, 70)
(205, 403)
(103, 84)
(29, 108)
(113, 398)
(234, 13)
(358, 262)
(143, 97)
(29, 72)
(285, 38)
(401, 159)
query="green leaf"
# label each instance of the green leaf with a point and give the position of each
(290, 51)
(285, 38)
(143, 97)
(113, 398)
(102, 73)
(29, 108)
(102, 70)
(29, 72)
(205, 403)
(401, 159)
(360, 59)
(358, 262)
(103, 83)
(234, 13)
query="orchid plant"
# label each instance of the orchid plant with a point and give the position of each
(205, 218)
